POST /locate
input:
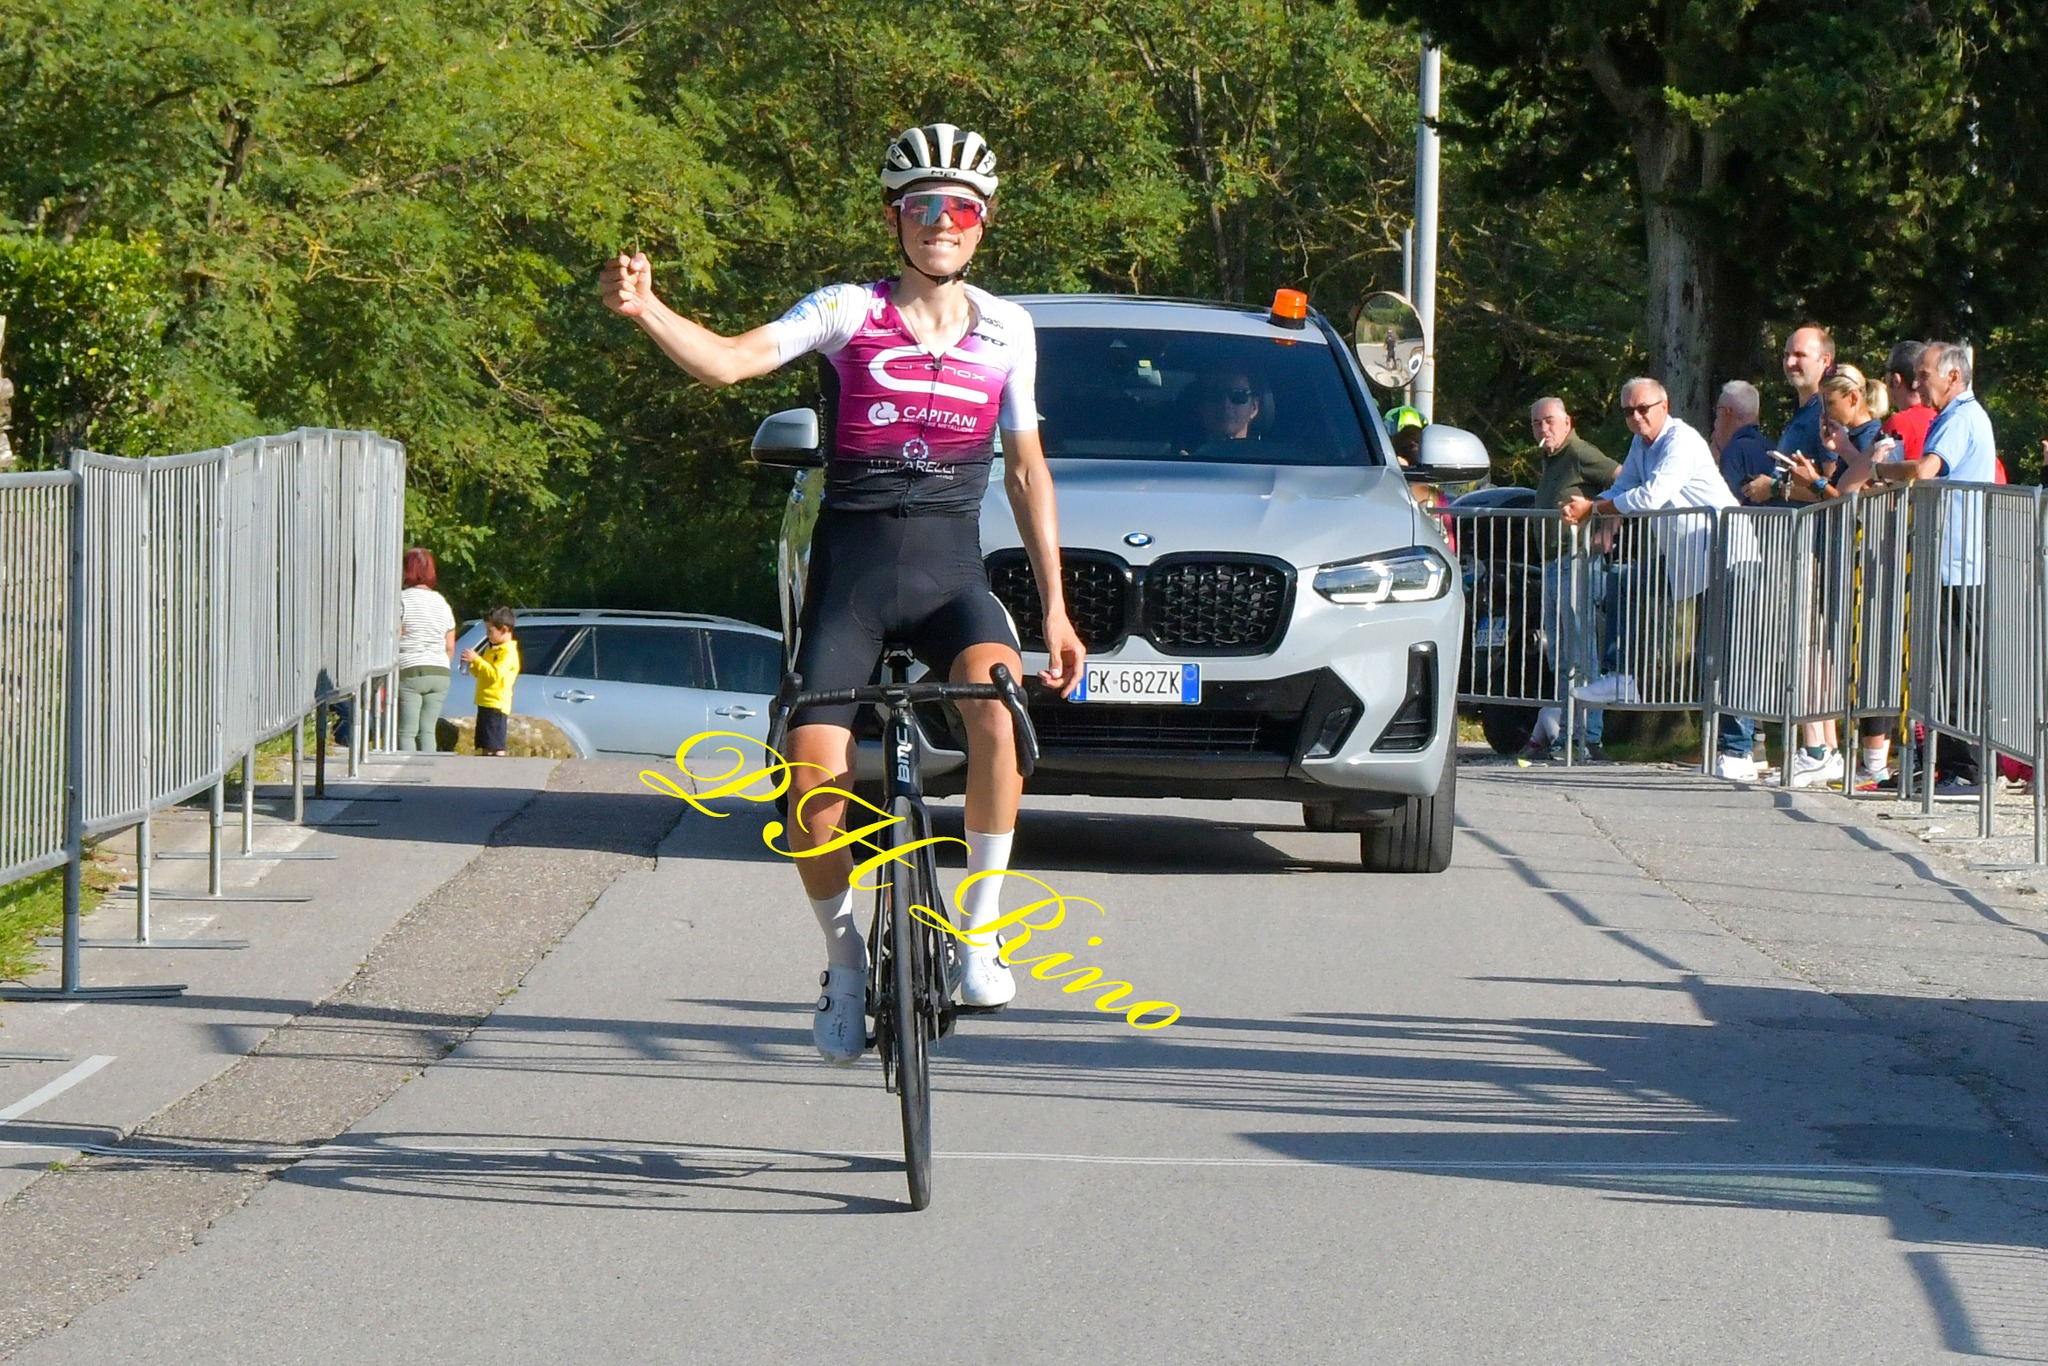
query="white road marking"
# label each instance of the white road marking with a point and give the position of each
(55, 1088)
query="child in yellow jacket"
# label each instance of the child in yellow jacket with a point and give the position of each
(496, 668)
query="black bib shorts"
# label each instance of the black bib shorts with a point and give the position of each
(878, 578)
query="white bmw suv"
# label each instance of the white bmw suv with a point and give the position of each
(1267, 612)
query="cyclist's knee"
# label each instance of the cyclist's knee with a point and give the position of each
(988, 723)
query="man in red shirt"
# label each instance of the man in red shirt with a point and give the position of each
(1911, 417)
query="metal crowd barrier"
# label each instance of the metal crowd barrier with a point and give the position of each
(1918, 609)
(160, 618)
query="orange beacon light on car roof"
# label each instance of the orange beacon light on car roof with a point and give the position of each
(1290, 308)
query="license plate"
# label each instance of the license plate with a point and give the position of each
(1490, 634)
(1180, 684)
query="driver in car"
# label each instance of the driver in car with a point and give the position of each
(1229, 405)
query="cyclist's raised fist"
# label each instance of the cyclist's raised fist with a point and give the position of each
(628, 284)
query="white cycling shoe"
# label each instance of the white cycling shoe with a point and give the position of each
(840, 1027)
(985, 979)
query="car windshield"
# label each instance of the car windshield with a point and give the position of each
(1214, 398)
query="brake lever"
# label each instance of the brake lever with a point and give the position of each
(778, 710)
(1020, 718)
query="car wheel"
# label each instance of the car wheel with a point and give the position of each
(1508, 728)
(1319, 815)
(1418, 838)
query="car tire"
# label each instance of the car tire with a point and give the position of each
(1418, 838)
(1319, 816)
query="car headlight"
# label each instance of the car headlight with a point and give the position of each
(1417, 574)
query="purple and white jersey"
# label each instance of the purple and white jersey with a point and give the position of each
(913, 431)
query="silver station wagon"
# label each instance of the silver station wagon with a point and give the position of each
(1267, 612)
(633, 684)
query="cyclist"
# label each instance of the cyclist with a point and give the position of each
(926, 369)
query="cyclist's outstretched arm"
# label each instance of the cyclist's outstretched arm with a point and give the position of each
(1028, 481)
(628, 284)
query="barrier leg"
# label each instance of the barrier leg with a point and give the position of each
(216, 821)
(355, 733)
(144, 847)
(2040, 802)
(388, 717)
(1987, 789)
(214, 813)
(299, 771)
(1928, 768)
(249, 803)
(248, 851)
(320, 750)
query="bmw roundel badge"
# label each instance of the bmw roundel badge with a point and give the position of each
(1137, 538)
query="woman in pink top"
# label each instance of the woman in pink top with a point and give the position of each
(923, 371)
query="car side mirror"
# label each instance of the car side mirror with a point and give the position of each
(1450, 455)
(789, 440)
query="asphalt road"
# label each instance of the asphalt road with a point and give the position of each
(1661, 1071)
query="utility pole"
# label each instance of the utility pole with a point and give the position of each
(1428, 147)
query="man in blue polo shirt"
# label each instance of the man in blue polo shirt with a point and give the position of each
(1809, 351)
(1961, 448)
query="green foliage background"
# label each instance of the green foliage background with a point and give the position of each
(217, 219)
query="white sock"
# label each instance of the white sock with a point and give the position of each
(1875, 757)
(844, 947)
(985, 853)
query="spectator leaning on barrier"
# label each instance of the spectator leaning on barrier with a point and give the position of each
(1573, 467)
(1739, 442)
(1854, 437)
(1911, 417)
(1960, 447)
(1669, 465)
(426, 649)
(1809, 351)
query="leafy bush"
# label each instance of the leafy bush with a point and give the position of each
(85, 345)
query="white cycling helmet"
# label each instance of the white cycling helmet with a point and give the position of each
(940, 152)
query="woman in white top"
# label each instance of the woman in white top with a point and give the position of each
(426, 649)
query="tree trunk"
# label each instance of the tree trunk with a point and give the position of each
(1675, 161)
(1670, 162)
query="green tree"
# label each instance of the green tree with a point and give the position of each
(1785, 158)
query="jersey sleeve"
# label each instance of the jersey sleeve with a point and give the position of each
(823, 321)
(1019, 411)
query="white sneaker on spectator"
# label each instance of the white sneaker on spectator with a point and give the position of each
(1808, 771)
(1740, 768)
(1615, 690)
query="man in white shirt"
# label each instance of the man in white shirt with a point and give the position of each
(1669, 465)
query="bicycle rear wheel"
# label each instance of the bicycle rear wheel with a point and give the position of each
(910, 978)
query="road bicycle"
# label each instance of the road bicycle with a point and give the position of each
(913, 968)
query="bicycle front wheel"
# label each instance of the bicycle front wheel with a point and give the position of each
(911, 985)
